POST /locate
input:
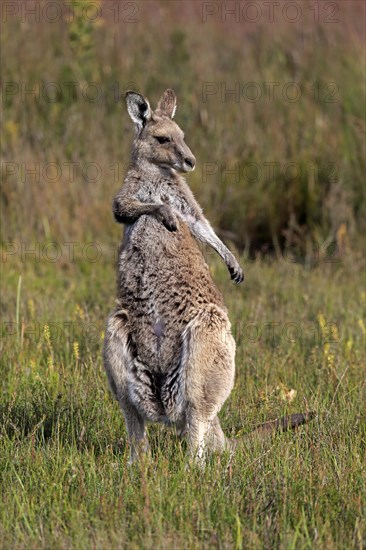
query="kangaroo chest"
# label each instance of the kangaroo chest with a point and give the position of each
(166, 193)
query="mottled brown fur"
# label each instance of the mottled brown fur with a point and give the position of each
(169, 353)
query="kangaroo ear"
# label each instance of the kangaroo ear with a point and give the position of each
(167, 104)
(138, 108)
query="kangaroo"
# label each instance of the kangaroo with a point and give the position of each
(169, 353)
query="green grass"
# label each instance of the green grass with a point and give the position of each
(64, 475)
(322, 140)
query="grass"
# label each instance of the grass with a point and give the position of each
(64, 475)
(267, 169)
(299, 326)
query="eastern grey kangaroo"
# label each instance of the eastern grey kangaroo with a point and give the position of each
(168, 352)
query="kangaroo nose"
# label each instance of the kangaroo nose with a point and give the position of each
(191, 161)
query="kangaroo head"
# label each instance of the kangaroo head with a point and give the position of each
(159, 139)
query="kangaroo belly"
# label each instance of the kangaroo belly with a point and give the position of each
(163, 282)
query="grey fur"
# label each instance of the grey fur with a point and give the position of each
(168, 352)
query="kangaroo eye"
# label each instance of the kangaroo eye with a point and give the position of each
(162, 139)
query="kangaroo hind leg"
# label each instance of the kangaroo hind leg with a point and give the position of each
(118, 357)
(208, 363)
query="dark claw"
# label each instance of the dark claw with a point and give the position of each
(236, 276)
(166, 217)
(172, 227)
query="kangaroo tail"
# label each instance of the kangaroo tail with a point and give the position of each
(284, 424)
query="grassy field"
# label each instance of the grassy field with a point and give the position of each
(280, 157)
(298, 319)
(64, 475)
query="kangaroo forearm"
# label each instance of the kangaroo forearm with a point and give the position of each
(204, 233)
(202, 230)
(129, 212)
